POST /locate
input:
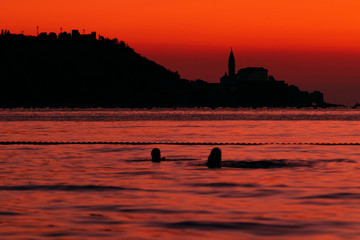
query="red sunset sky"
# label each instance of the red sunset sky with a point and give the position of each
(314, 44)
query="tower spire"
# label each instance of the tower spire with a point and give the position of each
(231, 65)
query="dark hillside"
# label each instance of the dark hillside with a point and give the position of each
(73, 70)
(84, 72)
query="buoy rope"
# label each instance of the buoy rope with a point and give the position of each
(171, 143)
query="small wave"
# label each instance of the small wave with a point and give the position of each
(259, 193)
(7, 213)
(161, 211)
(267, 164)
(318, 203)
(106, 150)
(264, 164)
(337, 160)
(129, 209)
(22, 149)
(58, 234)
(138, 160)
(99, 220)
(102, 208)
(275, 163)
(252, 227)
(165, 160)
(180, 159)
(135, 173)
(262, 229)
(62, 188)
(223, 184)
(344, 195)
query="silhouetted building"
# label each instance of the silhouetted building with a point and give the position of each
(89, 37)
(75, 34)
(231, 65)
(252, 74)
(93, 35)
(64, 36)
(45, 36)
(42, 35)
(244, 74)
(52, 36)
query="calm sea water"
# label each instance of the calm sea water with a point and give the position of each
(115, 192)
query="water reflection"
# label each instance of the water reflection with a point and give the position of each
(100, 191)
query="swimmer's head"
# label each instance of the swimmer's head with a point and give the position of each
(155, 155)
(214, 159)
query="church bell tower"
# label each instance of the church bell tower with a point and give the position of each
(231, 65)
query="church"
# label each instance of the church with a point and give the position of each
(249, 74)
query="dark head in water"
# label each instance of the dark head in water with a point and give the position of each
(214, 159)
(156, 155)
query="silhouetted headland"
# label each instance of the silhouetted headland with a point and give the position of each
(80, 70)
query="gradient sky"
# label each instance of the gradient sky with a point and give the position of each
(314, 44)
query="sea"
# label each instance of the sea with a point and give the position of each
(87, 174)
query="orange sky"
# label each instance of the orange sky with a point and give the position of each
(194, 36)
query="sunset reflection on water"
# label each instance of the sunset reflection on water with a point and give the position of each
(114, 191)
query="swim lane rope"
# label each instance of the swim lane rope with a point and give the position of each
(171, 143)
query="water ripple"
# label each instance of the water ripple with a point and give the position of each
(344, 195)
(252, 227)
(223, 184)
(267, 164)
(7, 213)
(162, 211)
(255, 194)
(62, 188)
(261, 229)
(276, 163)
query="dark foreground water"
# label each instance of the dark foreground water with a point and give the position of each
(115, 192)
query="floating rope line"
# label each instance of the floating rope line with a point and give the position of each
(169, 143)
